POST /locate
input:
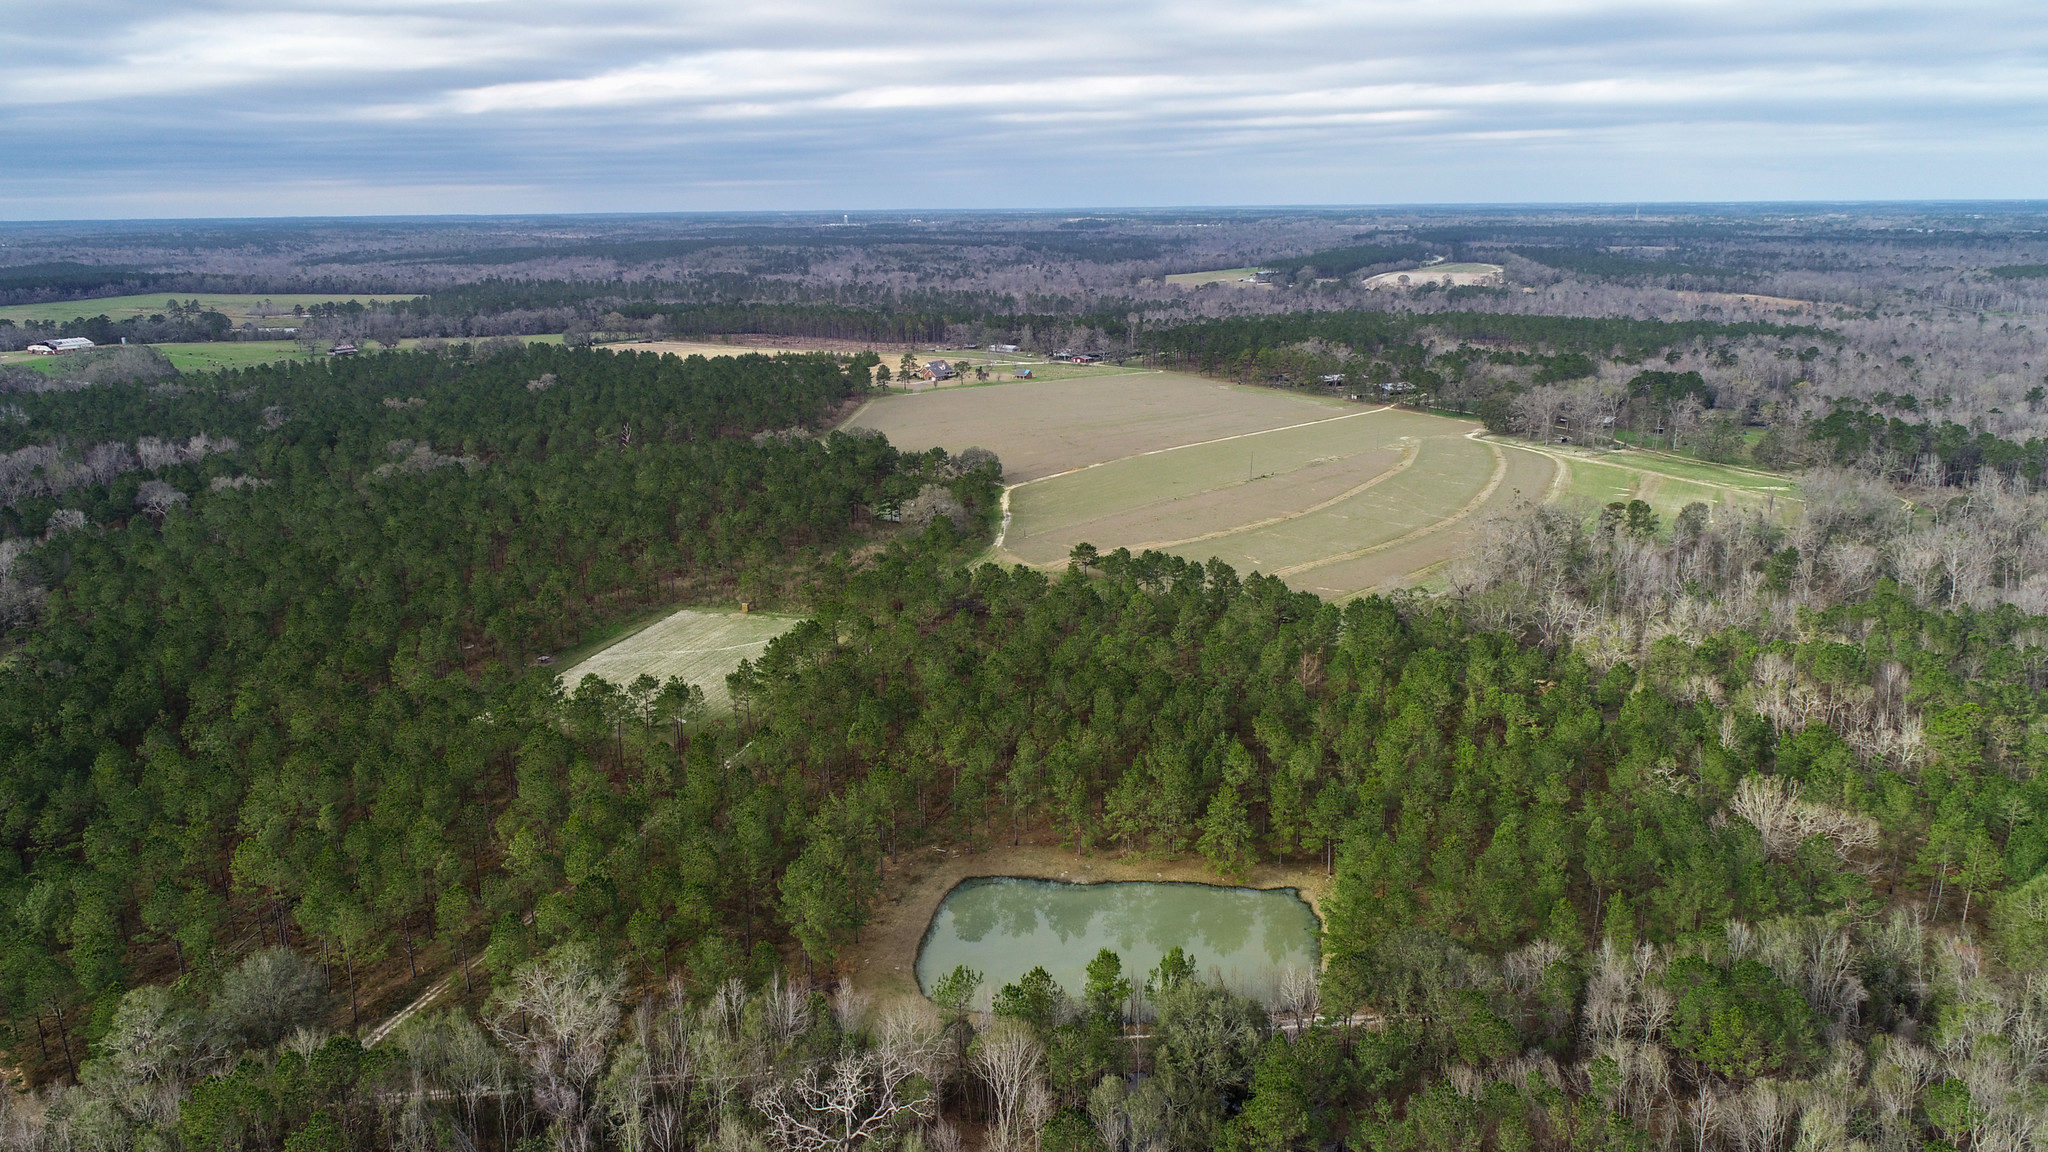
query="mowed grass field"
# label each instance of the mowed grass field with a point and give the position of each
(1667, 483)
(1219, 276)
(1001, 365)
(241, 354)
(206, 357)
(235, 306)
(1336, 498)
(701, 647)
(201, 357)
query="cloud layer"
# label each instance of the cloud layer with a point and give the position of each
(229, 107)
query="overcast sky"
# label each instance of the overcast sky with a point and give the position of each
(299, 107)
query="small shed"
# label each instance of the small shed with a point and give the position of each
(1022, 374)
(342, 349)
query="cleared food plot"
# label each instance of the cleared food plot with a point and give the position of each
(1668, 484)
(701, 647)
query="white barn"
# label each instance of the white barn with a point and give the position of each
(60, 346)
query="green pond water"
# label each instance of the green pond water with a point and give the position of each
(1004, 926)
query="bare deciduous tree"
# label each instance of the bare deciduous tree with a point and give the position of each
(158, 498)
(558, 1017)
(863, 1095)
(1771, 805)
(1007, 1057)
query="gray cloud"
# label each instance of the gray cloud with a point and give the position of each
(314, 106)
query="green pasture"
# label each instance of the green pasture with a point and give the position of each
(235, 306)
(1669, 483)
(1219, 276)
(240, 354)
(1705, 472)
(200, 357)
(223, 354)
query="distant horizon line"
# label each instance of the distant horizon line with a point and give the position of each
(1695, 206)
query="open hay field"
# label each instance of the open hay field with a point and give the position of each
(208, 356)
(193, 357)
(701, 647)
(1242, 276)
(223, 354)
(1449, 275)
(1005, 373)
(1040, 427)
(237, 307)
(1332, 496)
(1667, 483)
(1336, 498)
(715, 348)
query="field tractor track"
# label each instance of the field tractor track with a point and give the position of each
(1500, 471)
(1409, 452)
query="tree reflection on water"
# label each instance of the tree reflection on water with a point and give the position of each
(1003, 926)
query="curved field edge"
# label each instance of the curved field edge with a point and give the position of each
(1321, 492)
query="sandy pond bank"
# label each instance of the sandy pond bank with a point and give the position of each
(884, 962)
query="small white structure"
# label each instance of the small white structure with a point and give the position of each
(1002, 347)
(60, 346)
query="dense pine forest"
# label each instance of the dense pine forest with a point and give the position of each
(276, 739)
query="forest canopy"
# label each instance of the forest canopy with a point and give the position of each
(1719, 833)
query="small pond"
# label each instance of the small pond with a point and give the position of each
(1003, 926)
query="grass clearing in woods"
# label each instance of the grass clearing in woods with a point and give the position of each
(1668, 483)
(701, 646)
(1219, 276)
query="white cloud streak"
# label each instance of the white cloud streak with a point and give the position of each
(1184, 102)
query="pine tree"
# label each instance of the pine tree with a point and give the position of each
(1227, 835)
